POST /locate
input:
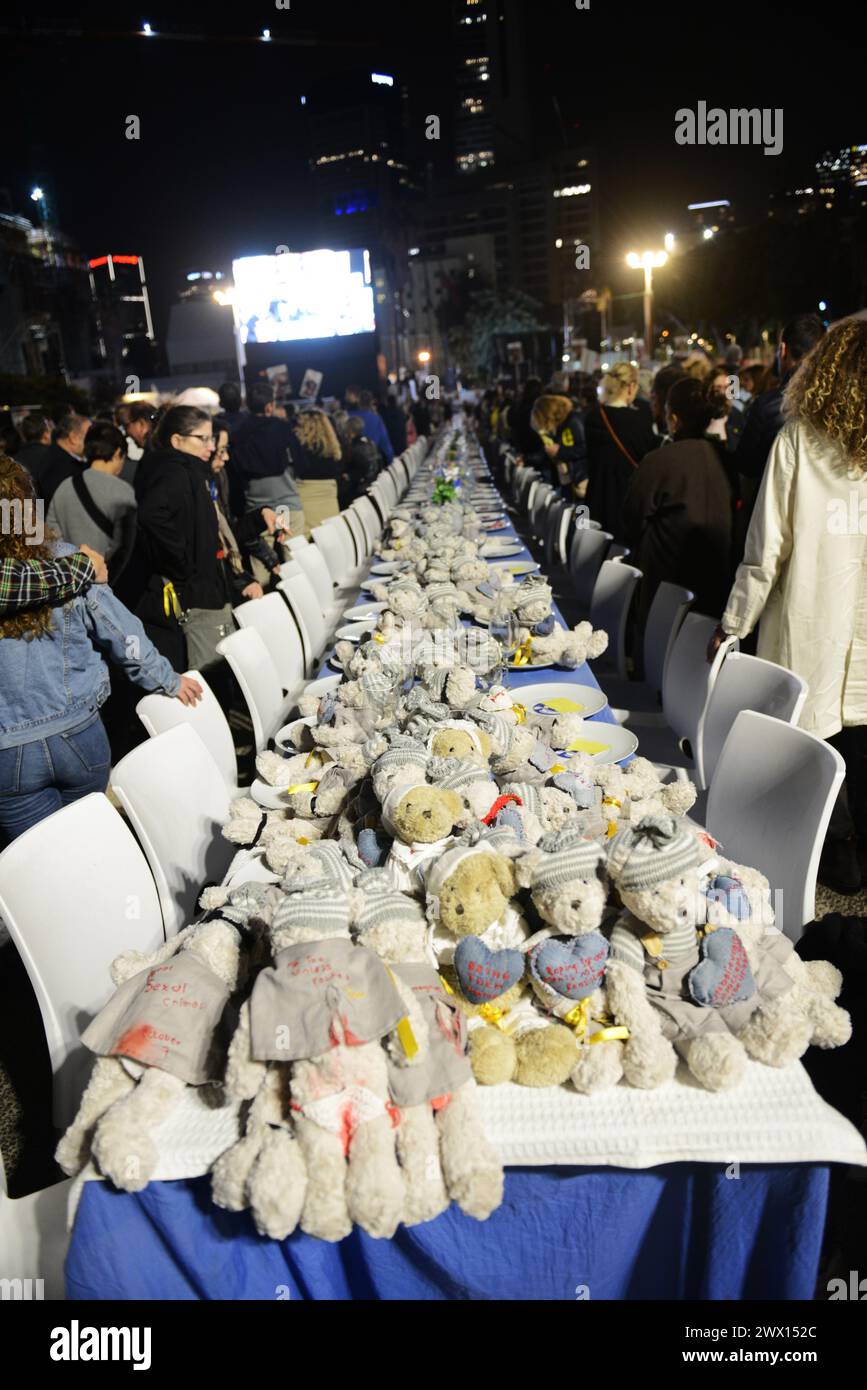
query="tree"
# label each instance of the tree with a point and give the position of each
(492, 313)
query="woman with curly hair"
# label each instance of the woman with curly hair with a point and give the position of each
(804, 571)
(319, 467)
(561, 430)
(53, 680)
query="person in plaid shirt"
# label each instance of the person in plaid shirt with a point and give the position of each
(32, 583)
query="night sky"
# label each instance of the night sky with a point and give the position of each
(217, 170)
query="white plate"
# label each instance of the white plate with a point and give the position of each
(266, 795)
(587, 699)
(517, 568)
(354, 633)
(618, 743)
(497, 550)
(384, 567)
(286, 737)
(532, 666)
(496, 525)
(323, 686)
(362, 611)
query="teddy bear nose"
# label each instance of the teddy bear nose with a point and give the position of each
(426, 814)
(459, 910)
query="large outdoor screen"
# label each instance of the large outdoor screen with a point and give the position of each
(309, 294)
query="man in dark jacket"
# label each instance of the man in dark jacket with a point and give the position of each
(394, 419)
(266, 453)
(65, 457)
(765, 415)
(35, 430)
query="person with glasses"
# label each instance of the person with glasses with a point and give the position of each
(175, 582)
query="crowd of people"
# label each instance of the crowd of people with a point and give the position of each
(131, 535)
(735, 480)
(720, 476)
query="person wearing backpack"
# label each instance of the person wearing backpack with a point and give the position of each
(96, 507)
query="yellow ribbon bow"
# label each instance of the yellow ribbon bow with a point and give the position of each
(491, 1014)
(301, 787)
(579, 1019)
(523, 653)
(612, 824)
(171, 604)
(520, 713)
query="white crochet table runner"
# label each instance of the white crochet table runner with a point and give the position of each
(772, 1117)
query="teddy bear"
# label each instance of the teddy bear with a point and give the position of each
(452, 685)
(468, 892)
(421, 819)
(460, 738)
(715, 1007)
(314, 786)
(636, 790)
(159, 1033)
(739, 897)
(562, 646)
(319, 1013)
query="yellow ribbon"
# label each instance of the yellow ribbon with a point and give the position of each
(491, 1014)
(445, 984)
(404, 1028)
(520, 713)
(579, 1019)
(555, 768)
(319, 755)
(301, 787)
(378, 637)
(612, 824)
(523, 653)
(170, 600)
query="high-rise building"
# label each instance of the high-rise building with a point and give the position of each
(44, 302)
(491, 121)
(124, 327)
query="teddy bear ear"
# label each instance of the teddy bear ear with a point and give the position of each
(525, 866)
(454, 803)
(504, 873)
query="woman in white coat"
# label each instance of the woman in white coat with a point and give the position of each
(804, 571)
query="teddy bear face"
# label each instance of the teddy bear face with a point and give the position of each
(427, 814)
(675, 903)
(558, 808)
(459, 743)
(475, 895)
(575, 909)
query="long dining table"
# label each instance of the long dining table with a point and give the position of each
(641, 1217)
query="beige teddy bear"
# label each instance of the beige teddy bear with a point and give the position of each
(422, 818)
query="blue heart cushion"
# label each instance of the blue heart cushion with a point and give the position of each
(731, 895)
(723, 976)
(570, 965)
(484, 974)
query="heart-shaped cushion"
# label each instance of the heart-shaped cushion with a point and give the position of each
(723, 976)
(572, 966)
(730, 893)
(542, 758)
(484, 974)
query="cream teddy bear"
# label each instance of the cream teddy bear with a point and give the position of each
(158, 1034)
(422, 819)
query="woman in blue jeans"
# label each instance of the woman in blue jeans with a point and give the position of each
(53, 747)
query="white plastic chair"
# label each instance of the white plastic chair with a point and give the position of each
(351, 519)
(314, 568)
(675, 738)
(747, 683)
(298, 592)
(161, 712)
(271, 618)
(612, 598)
(667, 612)
(34, 1238)
(75, 891)
(769, 805)
(369, 517)
(563, 533)
(618, 552)
(177, 802)
(333, 547)
(260, 684)
(588, 550)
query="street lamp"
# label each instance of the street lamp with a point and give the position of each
(424, 356)
(37, 195)
(648, 261)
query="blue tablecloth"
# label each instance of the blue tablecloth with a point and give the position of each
(682, 1231)
(679, 1231)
